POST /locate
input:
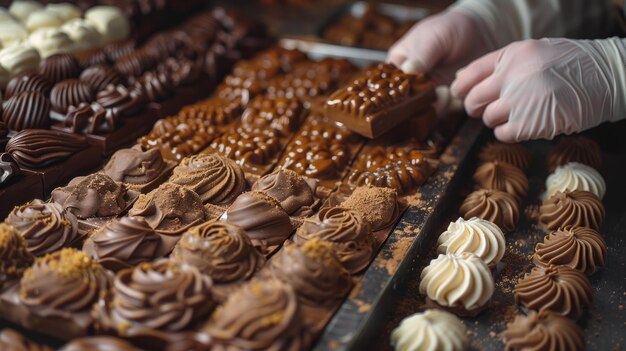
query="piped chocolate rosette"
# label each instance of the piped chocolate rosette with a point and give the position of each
(14, 256)
(124, 243)
(152, 301)
(492, 205)
(295, 193)
(263, 219)
(170, 210)
(514, 154)
(217, 179)
(220, 250)
(545, 331)
(64, 282)
(262, 315)
(46, 227)
(576, 208)
(138, 170)
(349, 235)
(575, 148)
(560, 289)
(498, 175)
(313, 270)
(92, 196)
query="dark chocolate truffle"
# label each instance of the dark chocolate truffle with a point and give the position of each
(59, 67)
(157, 86)
(220, 250)
(26, 110)
(218, 180)
(70, 92)
(122, 101)
(46, 227)
(28, 82)
(350, 236)
(134, 63)
(38, 148)
(94, 195)
(98, 77)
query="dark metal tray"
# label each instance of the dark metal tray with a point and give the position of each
(604, 324)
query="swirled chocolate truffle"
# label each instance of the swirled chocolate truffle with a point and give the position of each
(169, 209)
(502, 176)
(295, 193)
(98, 343)
(10, 340)
(157, 86)
(514, 154)
(8, 168)
(262, 217)
(14, 255)
(492, 205)
(123, 243)
(67, 280)
(46, 227)
(560, 289)
(581, 248)
(575, 148)
(95, 195)
(98, 77)
(543, 331)
(314, 272)
(137, 169)
(253, 148)
(262, 315)
(90, 119)
(24, 82)
(140, 294)
(59, 67)
(377, 206)
(350, 236)
(217, 179)
(37, 148)
(220, 250)
(575, 208)
(124, 102)
(26, 110)
(70, 92)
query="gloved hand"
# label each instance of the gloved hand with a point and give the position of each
(541, 88)
(441, 44)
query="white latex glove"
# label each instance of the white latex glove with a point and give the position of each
(541, 88)
(443, 43)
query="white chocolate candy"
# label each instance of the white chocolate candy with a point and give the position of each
(110, 22)
(19, 58)
(575, 176)
(84, 34)
(432, 330)
(43, 19)
(454, 281)
(5, 16)
(478, 236)
(21, 9)
(12, 33)
(50, 41)
(65, 11)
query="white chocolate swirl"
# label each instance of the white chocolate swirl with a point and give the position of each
(431, 330)
(478, 236)
(83, 33)
(110, 22)
(42, 19)
(23, 8)
(575, 176)
(462, 280)
(19, 58)
(50, 41)
(12, 33)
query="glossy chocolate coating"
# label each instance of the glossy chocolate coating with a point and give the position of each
(295, 194)
(90, 119)
(8, 168)
(350, 236)
(98, 77)
(59, 67)
(94, 195)
(122, 101)
(70, 92)
(46, 227)
(28, 82)
(135, 167)
(157, 86)
(38, 148)
(220, 250)
(253, 148)
(135, 63)
(26, 110)
(280, 114)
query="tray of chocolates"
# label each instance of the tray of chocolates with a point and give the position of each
(241, 208)
(537, 230)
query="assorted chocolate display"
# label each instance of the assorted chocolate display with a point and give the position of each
(236, 203)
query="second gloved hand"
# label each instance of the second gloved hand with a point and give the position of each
(541, 88)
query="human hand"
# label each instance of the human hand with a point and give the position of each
(440, 45)
(541, 88)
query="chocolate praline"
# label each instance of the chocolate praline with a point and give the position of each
(220, 250)
(98, 77)
(26, 110)
(59, 67)
(46, 227)
(28, 82)
(137, 169)
(295, 193)
(70, 92)
(378, 206)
